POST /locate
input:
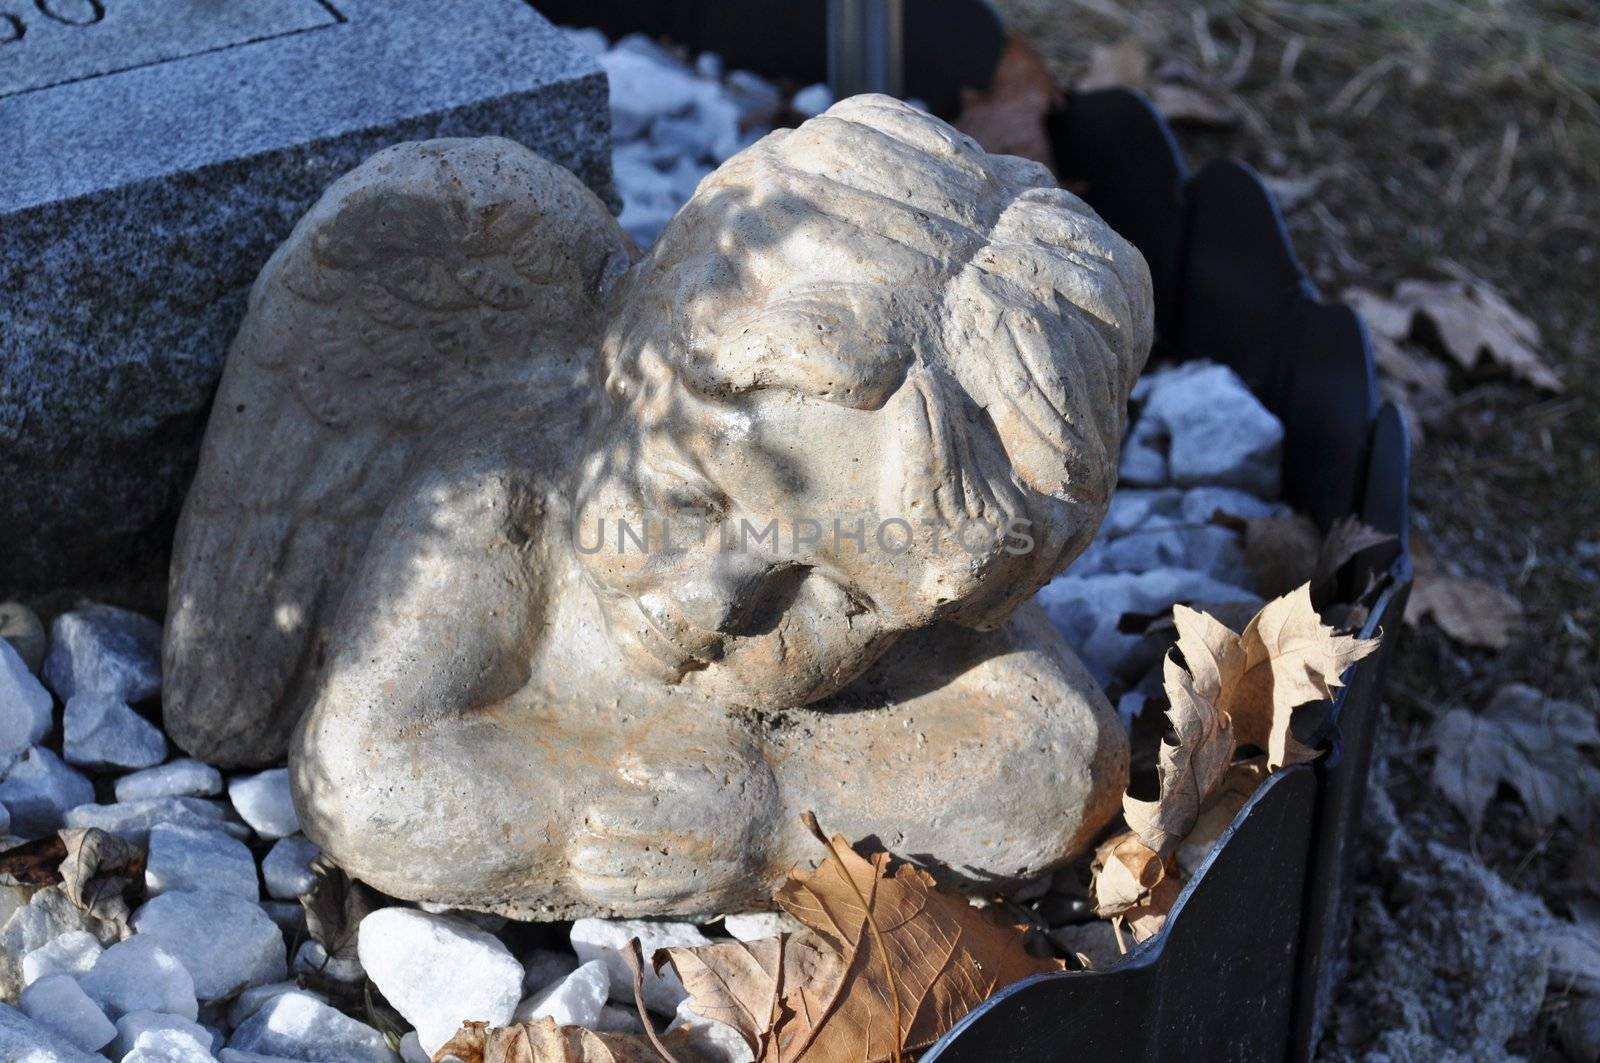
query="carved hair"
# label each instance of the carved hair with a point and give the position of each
(874, 249)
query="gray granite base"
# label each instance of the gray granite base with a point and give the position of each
(144, 201)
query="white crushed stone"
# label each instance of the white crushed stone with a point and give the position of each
(141, 974)
(263, 801)
(753, 926)
(297, 1025)
(59, 1002)
(246, 1003)
(179, 778)
(26, 1041)
(134, 1030)
(26, 708)
(600, 939)
(168, 1046)
(197, 858)
(226, 942)
(812, 100)
(289, 915)
(39, 791)
(617, 1019)
(287, 867)
(411, 1049)
(74, 953)
(106, 649)
(102, 731)
(132, 820)
(711, 1041)
(438, 971)
(575, 1000)
(543, 967)
(1200, 424)
(313, 957)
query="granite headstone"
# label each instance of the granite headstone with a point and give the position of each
(155, 152)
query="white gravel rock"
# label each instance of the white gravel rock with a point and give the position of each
(438, 971)
(102, 731)
(289, 915)
(575, 1000)
(545, 967)
(38, 792)
(411, 1049)
(600, 939)
(313, 957)
(141, 974)
(586, 39)
(1086, 609)
(169, 1046)
(250, 1001)
(812, 100)
(59, 1002)
(710, 1040)
(132, 820)
(753, 926)
(235, 1055)
(642, 89)
(1201, 504)
(106, 649)
(74, 953)
(226, 942)
(25, 707)
(616, 1019)
(297, 1025)
(263, 801)
(1201, 425)
(135, 1030)
(287, 868)
(24, 1041)
(180, 778)
(197, 858)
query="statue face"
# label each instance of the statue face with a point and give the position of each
(765, 548)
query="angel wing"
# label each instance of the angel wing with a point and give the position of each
(433, 272)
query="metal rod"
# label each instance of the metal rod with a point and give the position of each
(865, 47)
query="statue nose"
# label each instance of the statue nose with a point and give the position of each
(720, 600)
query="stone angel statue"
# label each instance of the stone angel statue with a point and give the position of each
(428, 551)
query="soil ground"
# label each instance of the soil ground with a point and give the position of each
(1433, 139)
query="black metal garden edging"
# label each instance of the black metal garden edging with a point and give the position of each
(1247, 964)
(1250, 957)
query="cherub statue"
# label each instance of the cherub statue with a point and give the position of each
(570, 578)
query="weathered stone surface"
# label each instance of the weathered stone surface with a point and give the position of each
(154, 156)
(102, 731)
(39, 791)
(811, 339)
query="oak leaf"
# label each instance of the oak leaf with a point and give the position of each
(542, 1041)
(1533, 744)
(885, 965)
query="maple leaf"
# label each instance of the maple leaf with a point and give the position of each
(886, 964)
(542, 1041)
(1468, 321)
(1532, 744)
(1469, 611)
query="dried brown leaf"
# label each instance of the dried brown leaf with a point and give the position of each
(885, 964)
(1241, 781)
(1470, 611)
(1008, 117)
(1468, 321)
(1533, 744)
(1126, 64)
(335, 906)
(1133, 885)
(35, 863)
(543, 1041)
(98, 870)
(1346, 538)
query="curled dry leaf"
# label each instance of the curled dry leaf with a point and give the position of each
(1008, 117)
(1284, 552)
(1134, 886)
(1468, 321)
(1533, 744)
(95, 870)
(335, 906)
(885, 965)
(543, 1041)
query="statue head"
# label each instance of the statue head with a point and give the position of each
(868, 379)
